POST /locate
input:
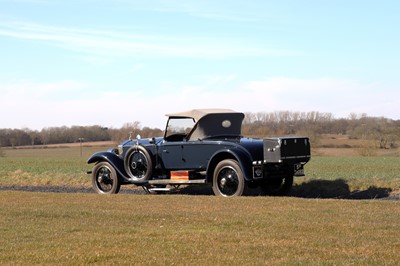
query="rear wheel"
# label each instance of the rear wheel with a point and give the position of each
(278, 186)
(105, 179)
(228, 179)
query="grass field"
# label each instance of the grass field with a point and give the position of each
(61, 228)
(51, 166)
(54, 228)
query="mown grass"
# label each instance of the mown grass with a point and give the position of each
(47, 228)
(57, 228)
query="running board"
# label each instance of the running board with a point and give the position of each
(177, 182)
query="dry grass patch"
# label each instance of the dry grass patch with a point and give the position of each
(46, 228)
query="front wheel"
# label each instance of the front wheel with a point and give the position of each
(105, 179)
(228, 179)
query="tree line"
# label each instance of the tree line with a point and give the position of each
(386, 132)
(64, 134)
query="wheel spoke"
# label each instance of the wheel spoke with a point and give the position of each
(138, 165)
(104, 180)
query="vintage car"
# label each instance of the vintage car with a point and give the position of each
(202, 147)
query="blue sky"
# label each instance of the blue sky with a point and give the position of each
(110, 62)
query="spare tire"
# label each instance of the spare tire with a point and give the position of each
(138, 163)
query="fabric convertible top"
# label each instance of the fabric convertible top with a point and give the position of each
(212, 122)
(197, 114)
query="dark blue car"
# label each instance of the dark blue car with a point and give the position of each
(202, 147)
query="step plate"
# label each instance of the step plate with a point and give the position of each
(176, 182)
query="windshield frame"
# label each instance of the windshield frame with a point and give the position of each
(179, 126)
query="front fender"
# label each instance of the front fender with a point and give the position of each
(243, 157)
(113, 159)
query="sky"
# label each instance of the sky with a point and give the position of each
(89, 62)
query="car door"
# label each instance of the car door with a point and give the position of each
(171, 155)
(187, 155)
(197, 154)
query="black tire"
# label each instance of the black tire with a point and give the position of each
(228, 179)
(278, 186)
(138, 163)
(105, 179)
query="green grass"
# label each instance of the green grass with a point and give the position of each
(52, 166)
(325, 175)
(344, 176)
(350, 168)
(43, 171)
(47, 229)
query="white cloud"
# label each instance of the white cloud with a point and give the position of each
(36, 91)
(338, 96)
(36, 105)
(29, 104)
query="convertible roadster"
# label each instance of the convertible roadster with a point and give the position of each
(202, 147)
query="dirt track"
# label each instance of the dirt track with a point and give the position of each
(66, 189)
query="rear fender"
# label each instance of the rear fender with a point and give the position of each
(243, 158)
(112, 158)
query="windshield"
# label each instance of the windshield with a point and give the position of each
(179, 126)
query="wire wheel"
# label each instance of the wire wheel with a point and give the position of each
(138, 164)
(105, 179)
